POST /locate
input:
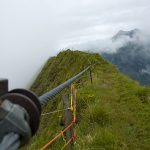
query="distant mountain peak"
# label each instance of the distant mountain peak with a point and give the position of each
(122, 33)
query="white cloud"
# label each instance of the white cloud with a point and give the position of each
(33, 30)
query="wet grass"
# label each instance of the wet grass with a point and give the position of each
(113, 113)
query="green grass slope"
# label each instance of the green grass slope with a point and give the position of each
(113, 113)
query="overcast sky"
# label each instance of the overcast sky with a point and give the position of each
(33, 30)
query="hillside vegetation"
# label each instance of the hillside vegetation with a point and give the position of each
(113, 113)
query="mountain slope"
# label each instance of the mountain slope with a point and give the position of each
(131, 34)
(113, 113)
(133, 57)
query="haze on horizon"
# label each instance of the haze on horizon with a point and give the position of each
(33, 30)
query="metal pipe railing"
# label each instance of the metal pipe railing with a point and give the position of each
(49, 95)
(15, 141)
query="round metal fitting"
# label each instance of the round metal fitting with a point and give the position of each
(28, 105)
(30, 95)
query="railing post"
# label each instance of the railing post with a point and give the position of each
(67, 120)
(3, 86)
(91, 76)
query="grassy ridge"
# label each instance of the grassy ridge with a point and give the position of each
(113, 113)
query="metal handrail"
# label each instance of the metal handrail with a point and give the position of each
(14, 141)
(49, 95)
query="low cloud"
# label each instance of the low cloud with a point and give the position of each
(109, 45)
(33, 31)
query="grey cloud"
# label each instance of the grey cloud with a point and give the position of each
(32, 31)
